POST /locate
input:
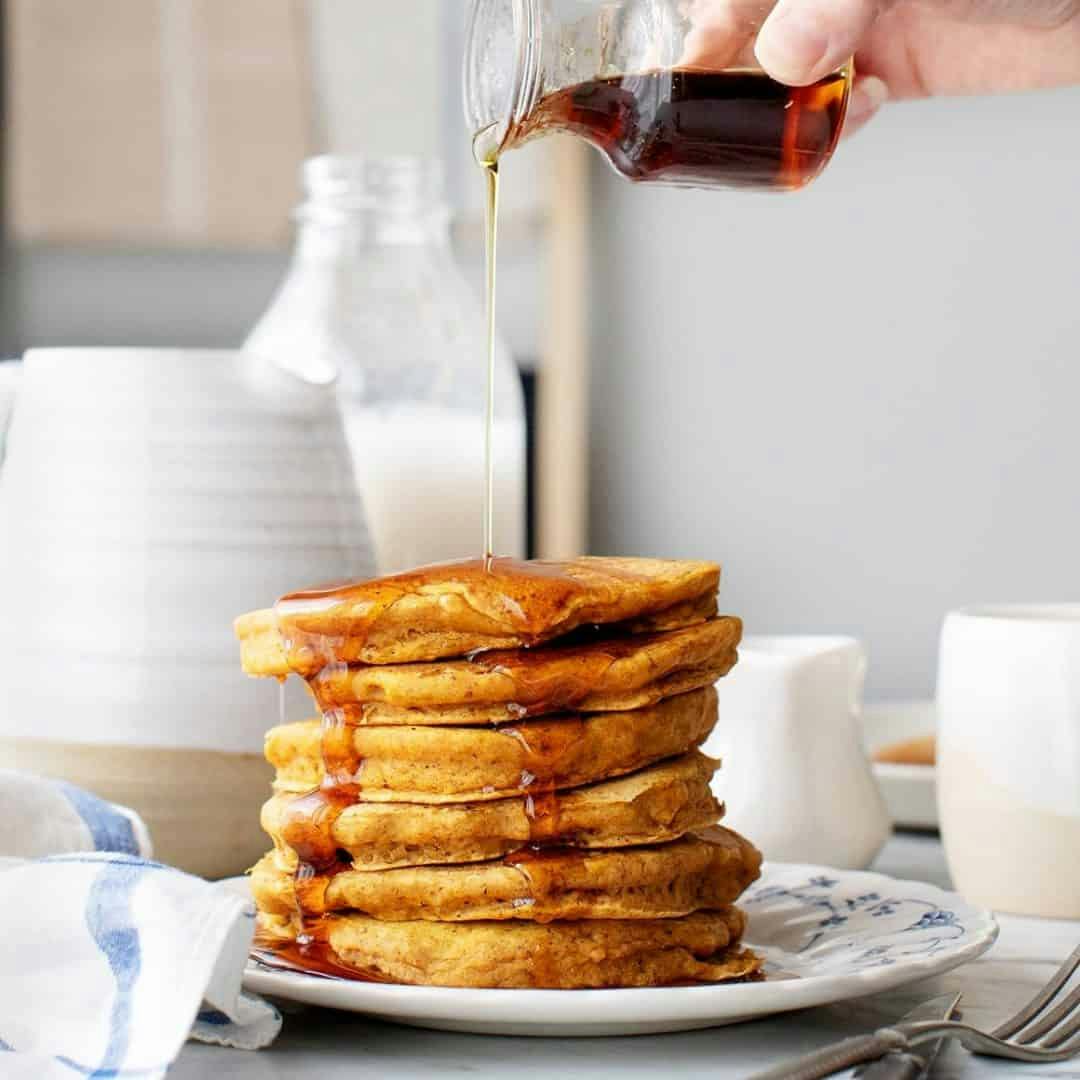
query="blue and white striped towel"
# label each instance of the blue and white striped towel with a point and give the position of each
(108, 961)
(41, 817)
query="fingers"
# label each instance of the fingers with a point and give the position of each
(803, 40)
(721, 33)
(867, 96)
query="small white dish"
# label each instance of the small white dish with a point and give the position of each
(910, 791)
(826, 935)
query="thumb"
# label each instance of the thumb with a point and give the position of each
(803, 40)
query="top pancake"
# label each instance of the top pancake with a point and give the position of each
(453, 609)
(609, 675)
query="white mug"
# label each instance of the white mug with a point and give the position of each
(1009, 756)
(147, 498)
(794, 775)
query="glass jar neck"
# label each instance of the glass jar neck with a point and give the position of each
(325, 235)
(517, 51)
(503, 52)
(357, 202)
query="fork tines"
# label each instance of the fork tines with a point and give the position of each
(1033, 1026)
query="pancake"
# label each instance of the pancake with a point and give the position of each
(660, 803)
(453, 609)
(704, 870)
(610, 675)
(561, 955)
(454, 765)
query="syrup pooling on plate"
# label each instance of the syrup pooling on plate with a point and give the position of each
(311, 953)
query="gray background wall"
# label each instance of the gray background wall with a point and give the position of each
(863, 399)
(387, 81)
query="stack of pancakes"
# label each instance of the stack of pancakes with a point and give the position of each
(505, 787)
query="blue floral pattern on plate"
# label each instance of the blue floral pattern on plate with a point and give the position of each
(811, 923)
(826, 935)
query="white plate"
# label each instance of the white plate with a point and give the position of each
(910, 791)
(826, 935)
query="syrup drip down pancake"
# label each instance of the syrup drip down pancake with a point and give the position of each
(661, 802)
(504, 788)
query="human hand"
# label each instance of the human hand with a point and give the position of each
(906, 48)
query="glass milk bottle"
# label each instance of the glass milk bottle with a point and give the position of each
(374, 300)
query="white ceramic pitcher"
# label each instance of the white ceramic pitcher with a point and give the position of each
(147, 497)
(795, 777)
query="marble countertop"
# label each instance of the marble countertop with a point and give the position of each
(331, 1045)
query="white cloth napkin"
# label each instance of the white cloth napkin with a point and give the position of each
(109, 961)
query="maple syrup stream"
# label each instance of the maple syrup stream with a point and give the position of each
(489, 162)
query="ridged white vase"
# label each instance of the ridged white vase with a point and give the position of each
(147, 497)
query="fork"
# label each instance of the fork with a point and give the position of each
(1036, 1033)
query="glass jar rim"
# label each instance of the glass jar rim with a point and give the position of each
(522, 89)
(1053, 613)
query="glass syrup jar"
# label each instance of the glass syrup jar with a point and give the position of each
(374, 300)
(669, 91)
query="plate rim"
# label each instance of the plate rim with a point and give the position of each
(656, 1005)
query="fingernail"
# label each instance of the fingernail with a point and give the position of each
(792, 48)
(867, 96)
